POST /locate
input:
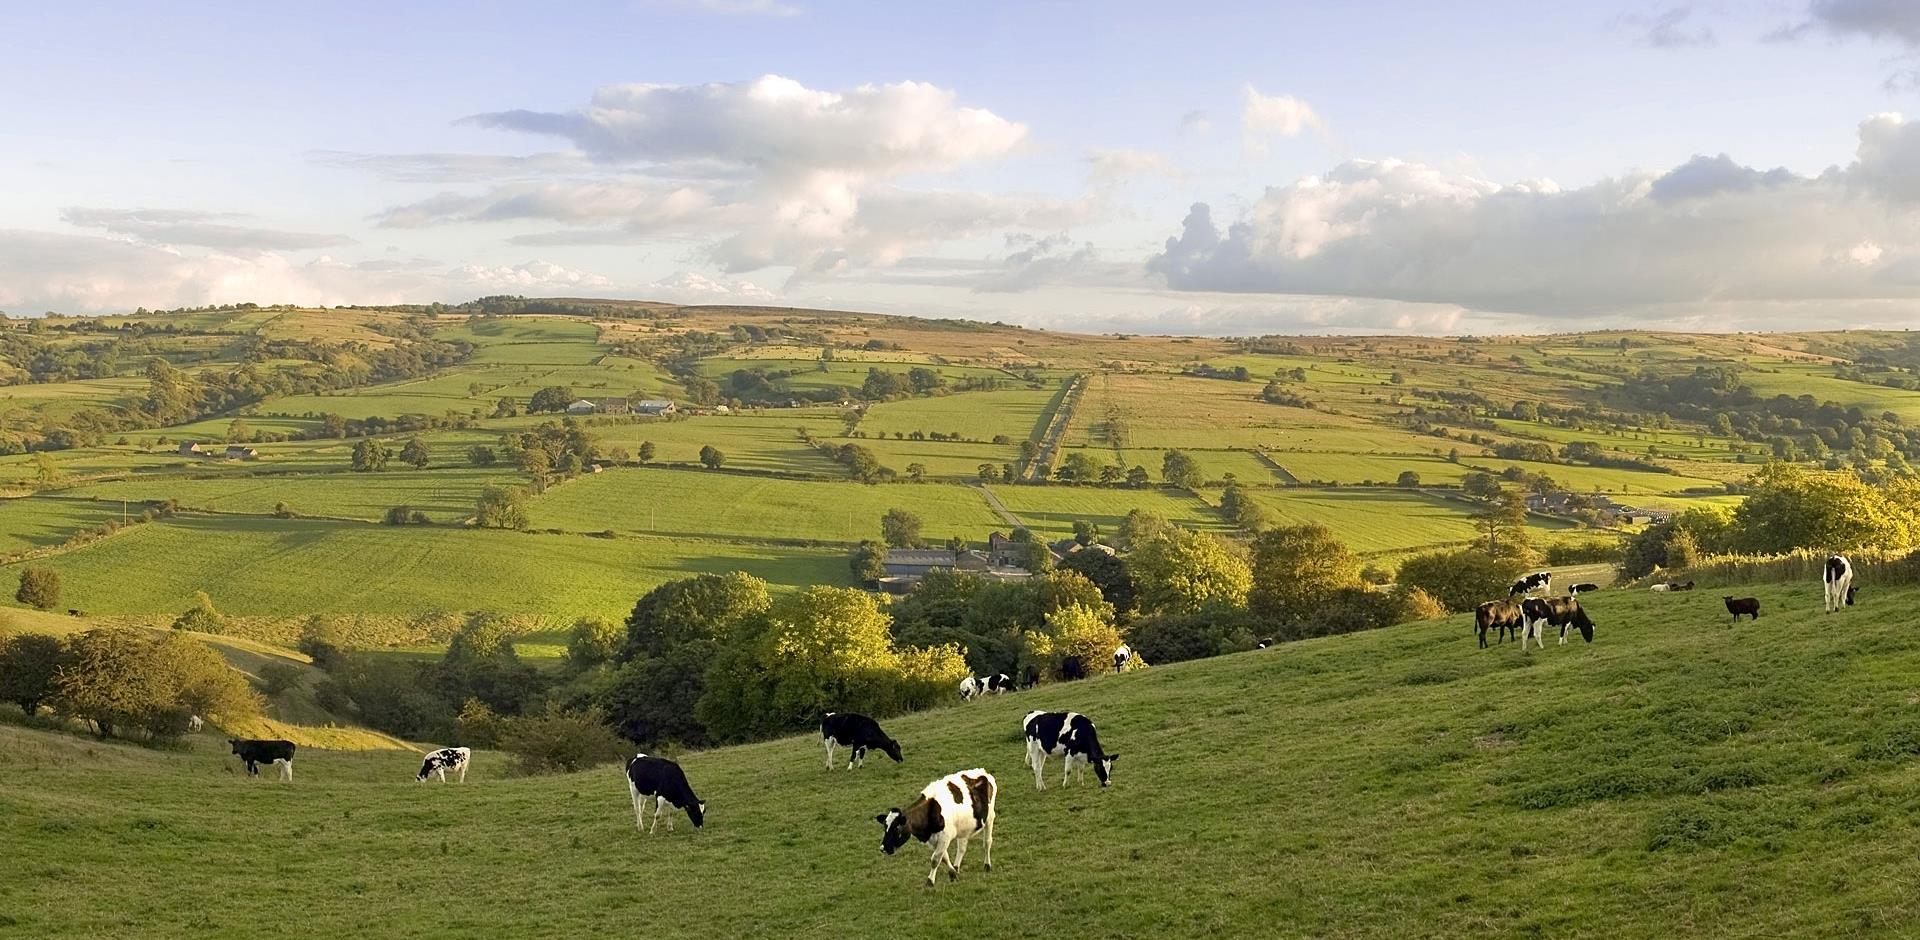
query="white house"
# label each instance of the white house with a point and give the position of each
(581, 407)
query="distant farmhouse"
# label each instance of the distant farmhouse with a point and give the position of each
(1607, 510)
(906, 566)
(230, 452)
(622, 406)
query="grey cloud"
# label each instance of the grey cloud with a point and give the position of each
(193, 228)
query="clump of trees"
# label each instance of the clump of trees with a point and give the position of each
(124, 682)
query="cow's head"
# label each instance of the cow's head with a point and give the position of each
(1850, 595)
(894, 830)
(1103, 768)
(697, 813)
(892, 748)
(236, 744)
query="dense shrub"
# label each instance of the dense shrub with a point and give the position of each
(39, 587)
(121, 680)
(276, 678)
(561, 742)
(1461, 579)
(29, 665)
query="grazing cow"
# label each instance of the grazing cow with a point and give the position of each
(1071, 667)
(1072, 736)
(1743, 605)
(858, 732)
(1562, 612)
(995, 684)
(255, 752)
(666, 783)
(1031, 677)
(1683, 587)
(1584, 587)
(443, 760)
(1265, 642)
(1120, 657)
(195, 723)
(1503, 617)
(946, 815)
(1538, 581)
(1839, 581)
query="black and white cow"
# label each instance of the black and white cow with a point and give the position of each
(945, 816)
(443, 760)
(665, 783)
(1839, 582)
(1121, 656)
(1538, 581)
(255, 752)
(975, 686)
(1072, 737)
(859, 732)
(1561, 612)
(1265, 642)
(1505, 618)
(1584, 587)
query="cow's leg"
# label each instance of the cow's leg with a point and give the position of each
(829, 743)
(991, 794)
(1037, 759)
(658, 803)
(1563, 634)
(286, 770)
(463, 772)
(939, 845)
(858, 757)
(960, 852)
(1066, 769)
(639, 814)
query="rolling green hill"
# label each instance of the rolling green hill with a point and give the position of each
(1678, 776)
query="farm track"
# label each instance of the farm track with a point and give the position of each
(994, 503)
(1057, 427)
(1286, 477)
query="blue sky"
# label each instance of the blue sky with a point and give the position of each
(1361, 167)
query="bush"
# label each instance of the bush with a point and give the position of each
(594, 640)
(561, 742)
(29, 664)
(1461, 580)
(405, 515)
(477, 725)
(201, 617)
(276, 678)
(39, 587)
(119, 679)
(285, 510)
(1417, 604)
(323, 639)
(1590, 552)
(501, 507)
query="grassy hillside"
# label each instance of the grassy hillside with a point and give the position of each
(1677, 776)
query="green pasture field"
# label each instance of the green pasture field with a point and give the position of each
(1215, 464)
(1585, 479)
(767, 439)
(1797, 379)
(1677, 774)
(690, 503)
(1019, 414)
(1373, 520)
(1324, 467)
(36, 521)
(288, 568)
(1051, 510)
(446, 494)
(946, 460)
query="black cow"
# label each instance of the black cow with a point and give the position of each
(1584, 587)
(1505, 618)
(1072, 667)
(666, 783)
(1031, 677)
(1072, 736)
(1561, 612)
(1527, 584)
(858, 732)
(1839, 582)
(1743, 605)
(256, 752)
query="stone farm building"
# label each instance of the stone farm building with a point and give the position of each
(230, 452)
(906, 566)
